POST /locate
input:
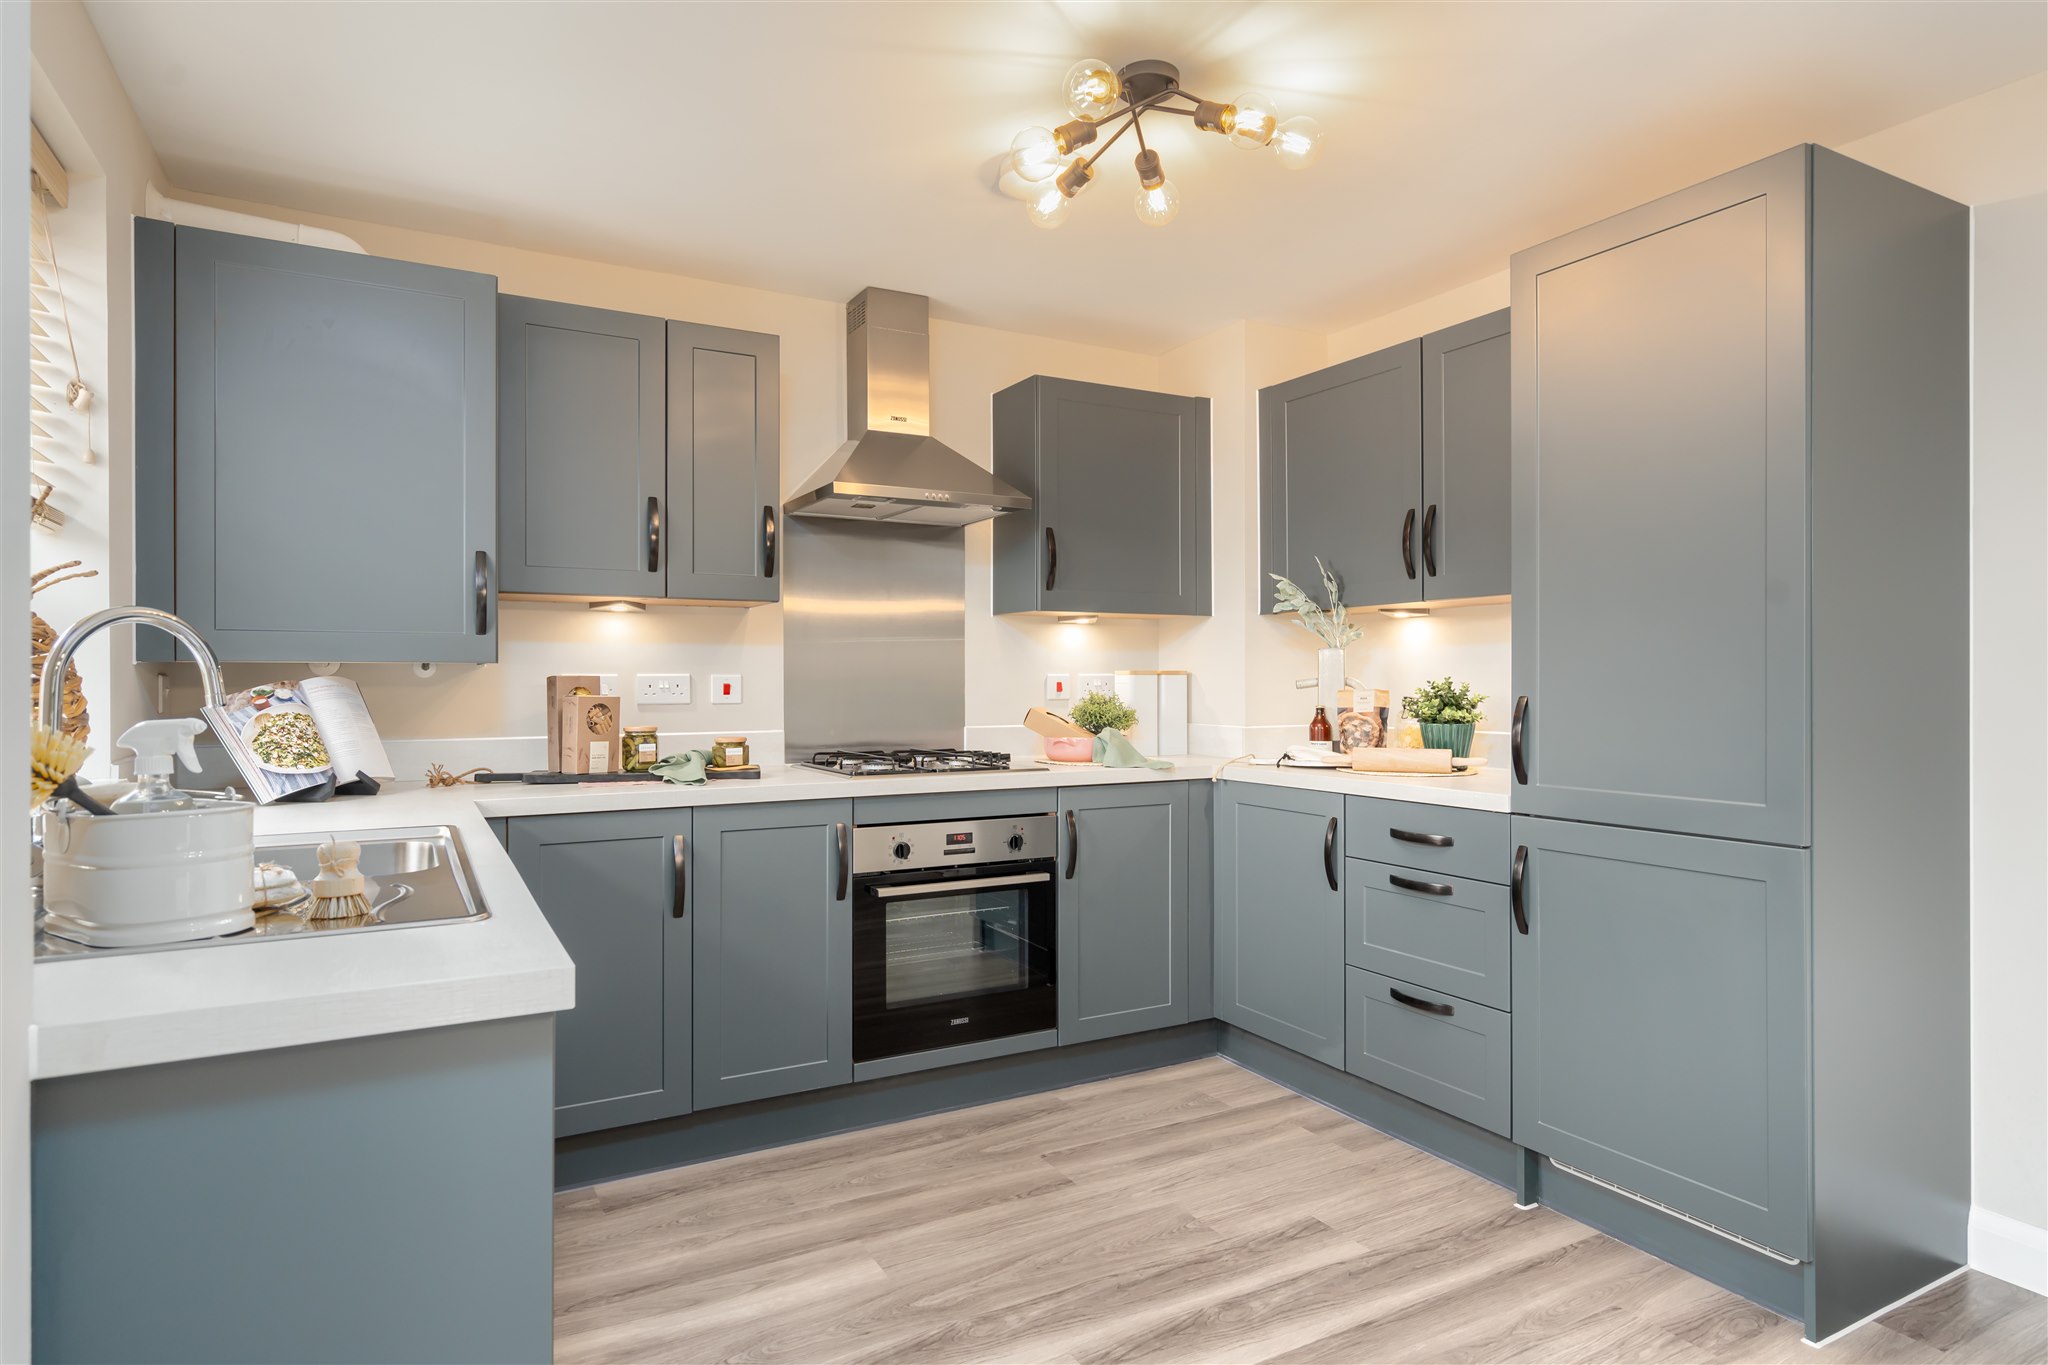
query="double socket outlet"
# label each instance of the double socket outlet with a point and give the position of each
(1068, 687)
(673, 689)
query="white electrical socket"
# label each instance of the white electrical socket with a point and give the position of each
(1098, 682)
(725, 689)
(662, 689)
(608, 684)
(1059, 687)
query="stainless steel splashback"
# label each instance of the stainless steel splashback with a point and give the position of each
(874, 636)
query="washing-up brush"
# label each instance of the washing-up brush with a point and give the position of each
(338, 891)
(53, 763)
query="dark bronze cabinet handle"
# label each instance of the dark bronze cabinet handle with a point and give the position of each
(1408, 542)
(1052, 558)
(1421, 888)
(1073, 845)
(1515, 740)
(1330, 853)
(767, 542)
(654, 535)
(1429, 540)
(682, 894)
(483, 592)
(845, 863)
(1516, 874)
(1416, 1002)
(1409, 836)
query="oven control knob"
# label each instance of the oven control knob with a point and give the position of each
(902, 849)
(1016, 843)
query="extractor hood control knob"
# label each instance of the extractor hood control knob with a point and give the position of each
(902, 849)
(1016, 843)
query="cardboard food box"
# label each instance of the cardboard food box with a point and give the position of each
(590, 735)
(1361, 720)
(561, 687)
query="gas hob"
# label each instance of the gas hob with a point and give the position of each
(909, 762)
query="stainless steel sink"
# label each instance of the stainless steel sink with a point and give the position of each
(414, 876)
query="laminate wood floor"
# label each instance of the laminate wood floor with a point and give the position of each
(1194, 1213)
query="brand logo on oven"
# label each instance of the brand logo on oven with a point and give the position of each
(961, 1020)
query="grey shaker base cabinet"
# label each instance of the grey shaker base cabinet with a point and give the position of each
(1661, 1005)
(300, 493)
(1122, 944)
(1449, 1053)
(773, 934)
(1119, 481)
(1280, 917)
(614, 887)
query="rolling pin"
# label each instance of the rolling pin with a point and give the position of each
(1401, 760)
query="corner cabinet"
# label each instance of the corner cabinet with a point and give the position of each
(316, 450)
(1280, 916)
(773, 917)
(615, 889)
(1394, 469)
(1119, 482)
(637, 458)
(1123, 910)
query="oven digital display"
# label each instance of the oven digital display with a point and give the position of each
(954, 840)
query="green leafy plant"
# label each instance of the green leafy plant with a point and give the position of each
(1097, 711)
(1326, 624)
(1445, 703)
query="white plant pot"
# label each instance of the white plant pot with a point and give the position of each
(120, 881)
(1329, 680)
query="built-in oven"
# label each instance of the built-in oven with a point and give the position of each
(953, 926)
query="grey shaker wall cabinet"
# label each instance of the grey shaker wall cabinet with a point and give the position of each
(1741, 481)
(615, 889)
(582, 450)
(1393, 468)
(1123, 910)
(1119, 480)
(773, 923)
(316, 450)
(1280, 917)
(721, 530)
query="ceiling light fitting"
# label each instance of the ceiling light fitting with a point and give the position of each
(1046, 171)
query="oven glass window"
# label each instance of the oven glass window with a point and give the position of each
(969, 943)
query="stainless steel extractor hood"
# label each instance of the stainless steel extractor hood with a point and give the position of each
(893, 469)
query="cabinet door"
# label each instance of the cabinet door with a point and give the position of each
(1122, 500)
(774, 950)
(336, 453)
(1280, 917)
(1123, 910)
(1465, 466)
(615, 890)
(580, 449)
(1340, 477)
(1660, 496)
(1661, 1020)
(724, 464)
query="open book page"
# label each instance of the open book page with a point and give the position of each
(274, 740)
(344, 719)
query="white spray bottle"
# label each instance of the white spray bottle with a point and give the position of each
(157, 745)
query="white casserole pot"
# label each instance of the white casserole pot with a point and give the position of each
(121, 881)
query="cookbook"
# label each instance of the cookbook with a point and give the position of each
(307, 740)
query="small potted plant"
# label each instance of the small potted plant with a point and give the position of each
(1094, 712)
(1447, 713)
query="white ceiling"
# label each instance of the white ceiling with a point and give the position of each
(818, 148)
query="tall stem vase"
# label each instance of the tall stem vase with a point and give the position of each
(1329, 680)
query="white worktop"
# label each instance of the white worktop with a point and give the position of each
(104, 1013)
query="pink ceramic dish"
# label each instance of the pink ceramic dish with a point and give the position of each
(1070, 750)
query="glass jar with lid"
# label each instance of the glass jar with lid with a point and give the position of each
(731, 751)
(639, 748)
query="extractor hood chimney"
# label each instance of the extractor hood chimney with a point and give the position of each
(892, 469)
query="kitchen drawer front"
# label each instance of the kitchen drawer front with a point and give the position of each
(1447, 934)
(1457, 1060)
(1447, 839)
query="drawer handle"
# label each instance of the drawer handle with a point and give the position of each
(1416, 1002)
(767, 542)
(483, 592)
(1421, 888)
(1409, 836)
(1516, 875)
(1408, 542)
(1515, 740)
(1052, 558)
(1330, 853)
(1429, 540)
(681, 854)
(845, 861)
(1073, 845)
(654, 535)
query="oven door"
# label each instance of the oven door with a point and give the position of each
(952, 956)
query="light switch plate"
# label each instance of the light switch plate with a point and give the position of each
(725, 689)
(662, 689)
(608, 684)
(1059, 687)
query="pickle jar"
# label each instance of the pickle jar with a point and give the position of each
(639, 748)
(731, 751)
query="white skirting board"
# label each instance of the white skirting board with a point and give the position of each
(2015, 1252)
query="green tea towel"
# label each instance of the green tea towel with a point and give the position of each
(1112, 750)
(685, 769)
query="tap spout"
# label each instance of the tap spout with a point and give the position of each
(59, 657)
